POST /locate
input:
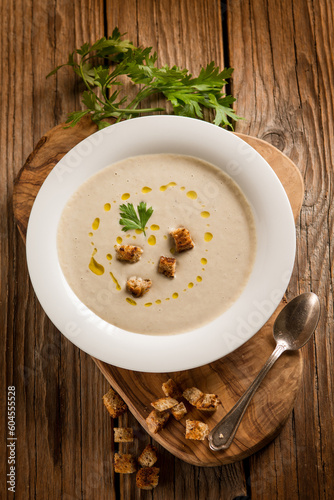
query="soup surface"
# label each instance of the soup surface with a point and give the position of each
(183, 192)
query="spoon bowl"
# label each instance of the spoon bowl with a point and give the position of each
(297, 321)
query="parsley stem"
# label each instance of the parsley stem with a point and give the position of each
(135, 111)
(83, 77)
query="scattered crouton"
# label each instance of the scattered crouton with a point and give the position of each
(167, 266)
(171, 389)
(123, 434)
(138, 286)
(163, 404)
(148, 456)
(128, 253)
(208, 402)
(156, 420)
(192, 395)
(196, 430)
(147, 478)
(124, 464)
(179, 411)
(182, 239)
(114, 403)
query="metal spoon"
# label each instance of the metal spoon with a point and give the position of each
(293, 327)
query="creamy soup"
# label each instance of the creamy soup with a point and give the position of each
(183, 192)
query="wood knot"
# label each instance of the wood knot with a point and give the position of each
(276, 138)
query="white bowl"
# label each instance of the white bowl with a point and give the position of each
(270, 276)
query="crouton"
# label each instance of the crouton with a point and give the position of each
(192, 395)
(171, 389)
(123, 434)
(148, 456)
(182, 239)
(157, 420)
(196, 430)
(138, 286)
(114, 403)
(208, 402)
(179, 411)
(128, 253)
(167, 266)
(124, 464)
(163, 404)
(147, 478)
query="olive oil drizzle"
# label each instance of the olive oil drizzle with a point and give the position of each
(98, 268)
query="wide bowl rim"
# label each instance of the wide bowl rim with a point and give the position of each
(163, 353)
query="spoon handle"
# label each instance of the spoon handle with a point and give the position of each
(223, 433)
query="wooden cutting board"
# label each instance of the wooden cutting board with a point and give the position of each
(228, 377)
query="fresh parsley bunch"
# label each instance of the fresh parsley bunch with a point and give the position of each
(188, 96)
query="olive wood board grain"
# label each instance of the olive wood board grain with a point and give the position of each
(229, 376)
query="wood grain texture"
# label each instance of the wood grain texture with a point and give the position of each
(53, 457)
(228, 377)
(284, 51)
(282, 54)
(48, 151)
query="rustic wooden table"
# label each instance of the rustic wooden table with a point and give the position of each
(282, 53)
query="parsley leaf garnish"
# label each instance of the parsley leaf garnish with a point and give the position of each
(129, 218)
(116, 57)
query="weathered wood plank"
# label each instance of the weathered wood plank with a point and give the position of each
(90, 474)
(182, 34)
(53, 400)
(97, 435)
(282, 53)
